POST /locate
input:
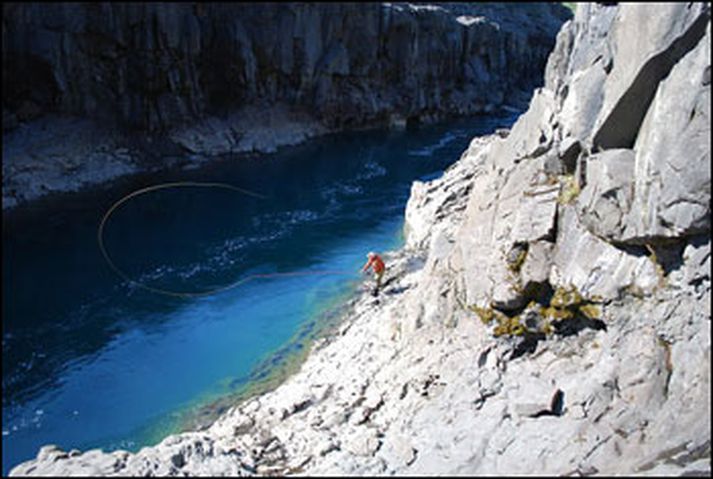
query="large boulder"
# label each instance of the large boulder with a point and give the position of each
(594, 266)
(672, 186)
(647, 43)
(606, 199)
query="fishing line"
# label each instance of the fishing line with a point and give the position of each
(180, 184)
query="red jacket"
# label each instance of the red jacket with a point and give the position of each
(376, 263)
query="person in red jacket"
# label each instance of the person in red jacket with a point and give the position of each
(377, 264)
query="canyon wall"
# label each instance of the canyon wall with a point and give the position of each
(93, 91)
(152, 66)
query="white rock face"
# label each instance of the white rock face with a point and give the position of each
(414, 383)
(671, 147)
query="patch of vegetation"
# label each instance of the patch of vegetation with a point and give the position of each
(509, 327)
(566, 313)
(486, 315)
(569, 190)
(516, 257)
(658, 266)
(568, 303)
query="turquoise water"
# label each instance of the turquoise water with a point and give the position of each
(92, 360)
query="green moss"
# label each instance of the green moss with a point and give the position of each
(566, 298)
(508, 326)
(505, 324)
(568, 303)
(546, 327)
(499, 331)
(517, 330)
(556, 314)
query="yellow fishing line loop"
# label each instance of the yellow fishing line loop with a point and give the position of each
(180, 184)
(161, 186)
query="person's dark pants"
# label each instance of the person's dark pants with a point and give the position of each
(377, 278)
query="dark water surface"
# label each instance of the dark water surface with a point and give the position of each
(91, 360)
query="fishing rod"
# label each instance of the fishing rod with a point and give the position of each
(192, 294)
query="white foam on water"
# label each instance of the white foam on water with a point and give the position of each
(445, 140)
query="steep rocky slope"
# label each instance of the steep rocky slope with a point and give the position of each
(550, 313)
(221, 78)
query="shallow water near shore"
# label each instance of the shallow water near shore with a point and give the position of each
(91, 360)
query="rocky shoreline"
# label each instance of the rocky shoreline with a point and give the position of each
(390, 392)
(56, 154)
(550, 312)
(62, 154)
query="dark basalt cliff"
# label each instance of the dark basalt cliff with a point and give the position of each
(154, 66)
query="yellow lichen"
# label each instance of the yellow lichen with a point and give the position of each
(486, 315)
(569, 190)
(516, 264)
(590, 310)
(660, 272)
(566, 298)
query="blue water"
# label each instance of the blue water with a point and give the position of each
(92, 360)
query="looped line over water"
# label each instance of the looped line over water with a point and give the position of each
(178, 184)
(161, 186)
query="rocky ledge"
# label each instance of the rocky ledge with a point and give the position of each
(550, 312)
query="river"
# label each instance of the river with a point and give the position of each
(91, 360)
